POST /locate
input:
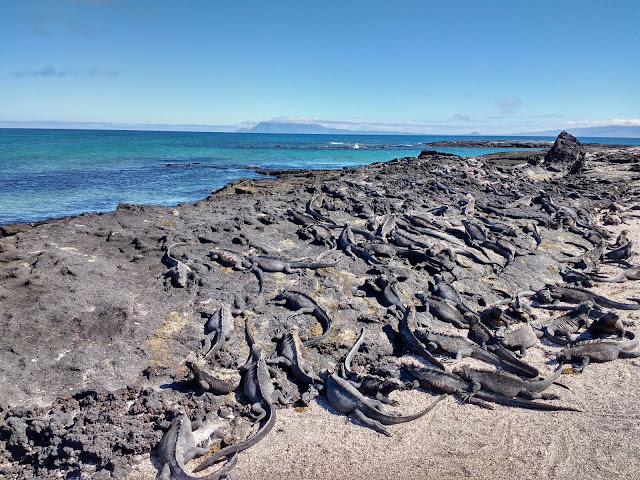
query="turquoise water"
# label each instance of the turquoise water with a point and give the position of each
(55, 173)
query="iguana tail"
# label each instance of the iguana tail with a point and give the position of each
(516, 402)
(541, 385)
(239, 447)
(510, 362)
(387, 419)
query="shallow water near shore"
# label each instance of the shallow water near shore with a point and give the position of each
(56, 173)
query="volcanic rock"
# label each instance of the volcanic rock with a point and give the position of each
(567, 150)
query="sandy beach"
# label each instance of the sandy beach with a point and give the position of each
(96, 331)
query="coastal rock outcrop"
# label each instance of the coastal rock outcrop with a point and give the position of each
(567, 150)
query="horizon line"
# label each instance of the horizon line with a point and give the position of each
(347, 132)
(237, 128)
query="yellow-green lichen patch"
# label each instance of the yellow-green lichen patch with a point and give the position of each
(316, 329)
(347, 336)
(347, 281)
(371, 306)
(158, 345)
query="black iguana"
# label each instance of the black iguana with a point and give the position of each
(597, 351)
(345, 398)
(178, 447)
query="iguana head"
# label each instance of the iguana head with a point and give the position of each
(471, 318)
(462, 372)
(562, 357)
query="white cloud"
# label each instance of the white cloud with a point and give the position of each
(619, 122)
(51, 72)
(508, 105)
(456, 117)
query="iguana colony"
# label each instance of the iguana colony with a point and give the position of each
(440, 324)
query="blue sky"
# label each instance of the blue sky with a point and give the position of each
(418, 66)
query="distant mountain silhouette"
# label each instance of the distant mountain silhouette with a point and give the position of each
(311, 128)
(615, 131)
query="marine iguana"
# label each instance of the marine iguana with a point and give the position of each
(178, 447)
(214, 379)
(305, 304)
(506, 253)
(314, 203)
(442, 310)
(433, 263)
(455, 347)
(291, 352)
(377, 387)
(444, 382)
(468, 205)
(597, 351)
(532, 228)
(300, 218)
(405, 241)
(386, 293)
(219, 328)
(578, 278)
(610, 322)
(476, 234)
(499, 227)
(508, 385)
(347, 242)
(431, 232)
(480, 333)
(276, 264)
(621, 253)
(410, 343)
(454, 244)
(382, 249)
(519, 339)
(568, 324)
(345, 398)
(440, 381)
(228, 258)
(588, 261)
(323, 236)
(351, 353)
(179, 271)
(632, 273)
(621, 240)
(387, 225)
(445, 290)
(579, 295)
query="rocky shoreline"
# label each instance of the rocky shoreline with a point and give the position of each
(100, 323)
(522, 144)
(493, 143)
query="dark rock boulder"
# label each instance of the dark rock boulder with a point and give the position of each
(430, 153)
(567, 150)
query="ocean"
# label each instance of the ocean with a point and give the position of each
(56, 173)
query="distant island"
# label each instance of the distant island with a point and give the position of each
(611, 131)
(313, 128)
(316, 128)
